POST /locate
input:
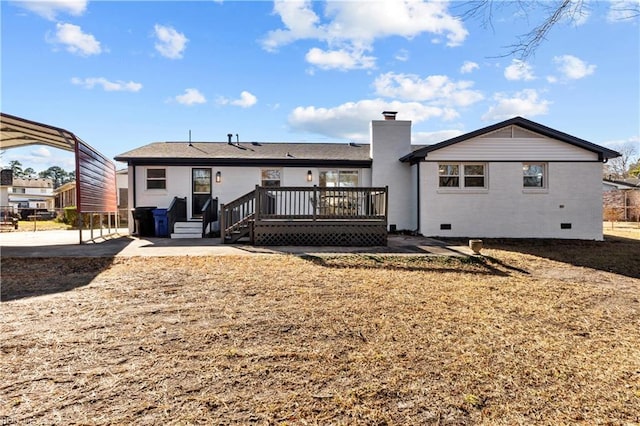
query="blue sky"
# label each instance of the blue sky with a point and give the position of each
(122, 74)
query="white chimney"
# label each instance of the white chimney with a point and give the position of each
(390, 141)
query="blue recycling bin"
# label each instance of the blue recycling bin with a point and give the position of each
(161, 222)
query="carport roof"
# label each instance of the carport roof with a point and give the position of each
(16, 132)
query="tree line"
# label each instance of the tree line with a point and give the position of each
(57, 174)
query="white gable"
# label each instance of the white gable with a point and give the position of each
(512, 143)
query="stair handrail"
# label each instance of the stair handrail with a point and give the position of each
(237, 213)
(209, 215)
(176, 212)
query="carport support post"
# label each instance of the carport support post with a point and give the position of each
(79, 221)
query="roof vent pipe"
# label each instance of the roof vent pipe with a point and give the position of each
(389, 115)
(230, 135)
(237, 139)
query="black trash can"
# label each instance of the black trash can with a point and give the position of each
(145, 225)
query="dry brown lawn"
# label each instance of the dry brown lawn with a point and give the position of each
(528, 334)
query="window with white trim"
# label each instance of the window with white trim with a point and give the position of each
(271, 178)
(338, 178)
(462, 175)
(156, 179)
(534, 175)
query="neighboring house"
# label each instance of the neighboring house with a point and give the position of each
(514, 179)
(122, 184)
(621, 199)
(30, 195)
(610, 184)
(6, 181)
(65, 195)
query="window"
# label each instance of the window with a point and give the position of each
(449, 175)
(270, 178)
(339, 178)
(156, 179)
(534, 175)
(474, 176)
(463, 175)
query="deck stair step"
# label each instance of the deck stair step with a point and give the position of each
(191, 229)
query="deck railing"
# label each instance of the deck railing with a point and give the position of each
(209, 215)
(177, 211)
(318, 203)
(236, 214)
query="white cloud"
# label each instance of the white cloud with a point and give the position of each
(76, 41)
(519, 70)
(41, 152)
(342, 59)
(171, 44)
(191, 97)
(108, 86)
(351, 120)
(349, 27)
(429, 138)
(438, 89)
(300, 20)
(246, 100)
(525, 103)
(573, 68)
(49, 9)
(468, 67)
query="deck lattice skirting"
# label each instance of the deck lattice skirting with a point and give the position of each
(320, 233)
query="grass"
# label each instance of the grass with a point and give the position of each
(512, 338)
(42, 225)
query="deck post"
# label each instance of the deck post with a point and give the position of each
(315, 202)
(258, 209)
(386, 206)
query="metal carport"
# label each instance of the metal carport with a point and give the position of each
(95, 173)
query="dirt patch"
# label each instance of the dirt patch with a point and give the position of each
(317, 340)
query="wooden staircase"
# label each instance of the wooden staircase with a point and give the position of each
(236, 219)
(243, 229)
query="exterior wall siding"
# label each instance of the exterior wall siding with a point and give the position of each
(505, 210)
(512, 149)
(235, 182)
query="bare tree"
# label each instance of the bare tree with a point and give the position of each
(620, 167)
(555, 12)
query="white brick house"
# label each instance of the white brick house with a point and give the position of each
(514, 179)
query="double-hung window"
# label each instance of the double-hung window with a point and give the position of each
(462, 175)
(534, 175)
(156, 179)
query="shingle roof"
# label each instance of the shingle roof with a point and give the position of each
(221, 153)
(603, 153)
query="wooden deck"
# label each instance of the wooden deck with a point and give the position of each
(310, 216)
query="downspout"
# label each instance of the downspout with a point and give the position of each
(418, 196)
(134, 187)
